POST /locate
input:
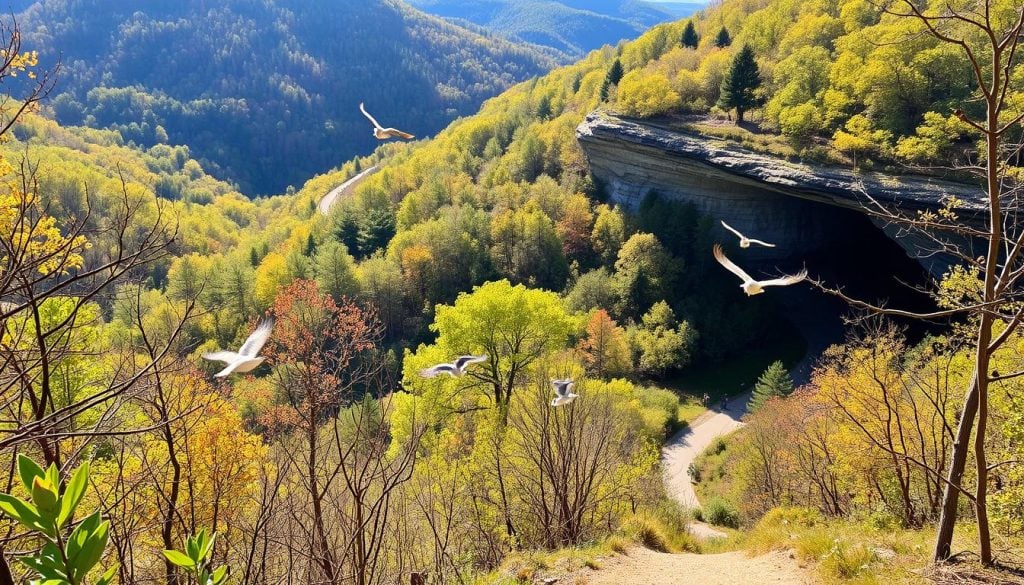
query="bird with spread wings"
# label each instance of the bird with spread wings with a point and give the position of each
(382, 133)
(246, 359)
(744, 240)
(455, 369)
(755, 287)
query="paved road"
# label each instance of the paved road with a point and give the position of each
(344, 189)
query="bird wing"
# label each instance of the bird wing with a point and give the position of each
(222, 356)
(257, 339)
(760, 242)
(396, 133)
(367, 114)
(562, 387)
(733, 230)
(465, 360)
(785, 280)
(720, 256)
(434, 371)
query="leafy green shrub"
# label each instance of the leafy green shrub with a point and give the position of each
(720, 513)
(717, 446)
(693, 470)
(803, 517)
(60, 561)
(197, 559)
(883, 521)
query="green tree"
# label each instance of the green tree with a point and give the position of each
(722, 39)
(739, 87)
(615, 73)
(608, 234)
(774, 382)
(645, 94)
(513, 325)
(643, 276)
(335, 270)
(660, 342)
(690, 38)
(592, 290)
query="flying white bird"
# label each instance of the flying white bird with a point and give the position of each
(563, 392)
(755, 287)
(456, 369)
(744, 240)
(382, 133)
(246, 359)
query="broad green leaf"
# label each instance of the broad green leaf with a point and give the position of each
(192, 548)
(92, 550)
(23, 512)
(79, 536)
(28, 470)
(53, 476)
(219, 575)
(44, 566)
(207, 545)
(73, 494)
(180, 559)
(107, 577)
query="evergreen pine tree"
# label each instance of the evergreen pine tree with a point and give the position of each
(740, 84)
(723, 39)
(774, 382)
(690, 38)
(604, 90)
(615, 73)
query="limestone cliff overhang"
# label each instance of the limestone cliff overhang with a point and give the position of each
(603, 135)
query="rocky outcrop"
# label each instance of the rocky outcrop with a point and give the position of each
(797, 206)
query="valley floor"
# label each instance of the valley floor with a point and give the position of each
(641, 566)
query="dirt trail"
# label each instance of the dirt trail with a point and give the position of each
(687, 444)
(642, 566)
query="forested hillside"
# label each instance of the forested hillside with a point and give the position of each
(266, 94)
(573, 27)
(339, 458)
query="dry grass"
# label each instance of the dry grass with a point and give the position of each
(966, 571)
(866, 553)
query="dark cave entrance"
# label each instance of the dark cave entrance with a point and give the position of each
(862, 260)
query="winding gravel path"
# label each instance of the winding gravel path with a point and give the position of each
(680, 451)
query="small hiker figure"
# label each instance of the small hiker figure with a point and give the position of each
(705, 399)
(725, 403)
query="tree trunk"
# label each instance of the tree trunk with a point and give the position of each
(739, 116)
(5, 571)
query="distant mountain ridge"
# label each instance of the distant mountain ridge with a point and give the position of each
(572, 27)
(266, 93)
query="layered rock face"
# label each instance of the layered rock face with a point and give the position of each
(798, 207)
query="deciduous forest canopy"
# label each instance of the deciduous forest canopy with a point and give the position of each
(266, 94)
